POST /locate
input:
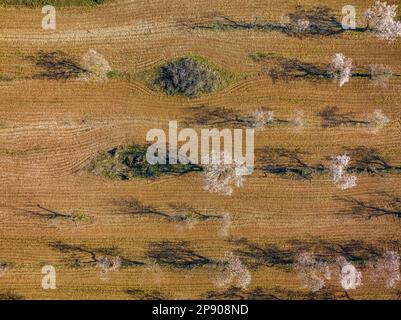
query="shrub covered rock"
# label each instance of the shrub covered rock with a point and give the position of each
(187, 76)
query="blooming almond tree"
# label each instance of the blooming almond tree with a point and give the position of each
(381, 21)
(233, 273)
(96, 64)
(260, 118)
(106, 265)
(312, 272)
(338, 172)
(225, 228)
(377, 121)
(221, 177)
(386, 268)
(298, 122)
(341, 68)
(302, 25)
(380, 75)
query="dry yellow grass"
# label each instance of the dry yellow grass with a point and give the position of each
(50, 130)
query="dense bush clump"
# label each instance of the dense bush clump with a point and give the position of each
(382, 20)
(124, 163)
(187, 76)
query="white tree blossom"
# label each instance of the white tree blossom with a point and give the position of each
(380, 75)
(106, 265)
(96, 64)
(260, 118)
(232, 273)
(225, 225)
(341, 68)
(386, 269)
(381, 20)
(338, 172)
(302, 25)
(378, 120)
(298, 121)
(312, 272)
(151, 273)
(220, 177)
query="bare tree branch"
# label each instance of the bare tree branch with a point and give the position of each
(180, 212)
(384, 205)
(177, 255)
(80, 255)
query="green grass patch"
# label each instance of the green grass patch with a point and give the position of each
(226, 78)
(114, 74)
(5, 77)
(221, 78)
(355, 33)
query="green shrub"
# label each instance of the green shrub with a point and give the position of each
(128, 162)
(188, 77)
